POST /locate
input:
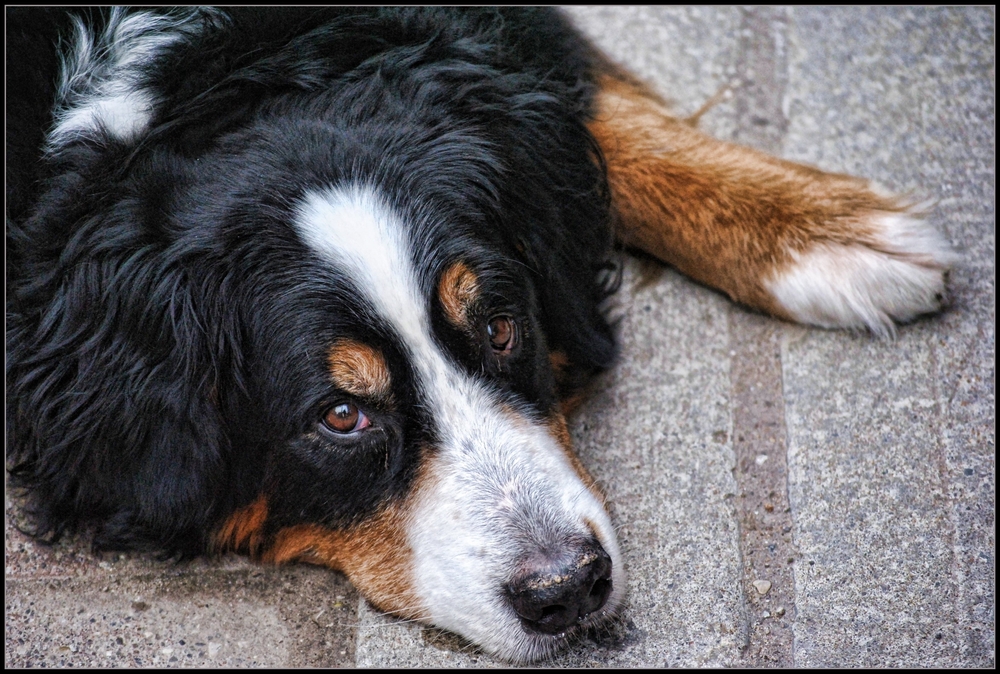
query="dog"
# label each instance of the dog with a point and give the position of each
(321, 285)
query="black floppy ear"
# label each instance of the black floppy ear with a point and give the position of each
(571, 287)
(112, 424)
(560, 227)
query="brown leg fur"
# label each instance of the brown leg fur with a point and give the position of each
(737, 219)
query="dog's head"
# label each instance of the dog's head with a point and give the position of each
(431, 462)
(335, 326)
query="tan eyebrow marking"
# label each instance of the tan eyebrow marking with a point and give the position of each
(457, 290)
(360, 370)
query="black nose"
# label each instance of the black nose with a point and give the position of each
(555, 591)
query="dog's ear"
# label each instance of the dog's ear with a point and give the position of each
(562, 232)
(112, 394)
(571, 284)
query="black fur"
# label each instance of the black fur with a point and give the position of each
(166, 327)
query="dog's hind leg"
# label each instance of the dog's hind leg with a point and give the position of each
(806, 245)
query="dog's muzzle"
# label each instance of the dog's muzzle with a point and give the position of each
(512, 549)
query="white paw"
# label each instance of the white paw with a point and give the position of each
(895, 273)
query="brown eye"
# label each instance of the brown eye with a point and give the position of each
(502, 332)
(345, 418)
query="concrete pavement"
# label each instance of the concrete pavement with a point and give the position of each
(784, 495)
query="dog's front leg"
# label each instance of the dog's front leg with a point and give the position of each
(809, 246)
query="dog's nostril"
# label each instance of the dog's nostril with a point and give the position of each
(598, 593)
(552, 610)
(555, 592)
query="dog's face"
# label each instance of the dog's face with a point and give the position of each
(426, 455)
(400, 396)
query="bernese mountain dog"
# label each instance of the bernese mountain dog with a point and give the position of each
(321, 284)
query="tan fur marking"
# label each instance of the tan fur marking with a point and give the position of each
(360, 370)
(572, 403)
(374, 554)
(244, 530)
(572, 393)
(726, 215)
(559, 362)
(457, 290)
(559, 430)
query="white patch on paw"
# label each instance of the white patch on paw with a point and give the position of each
(867, 284)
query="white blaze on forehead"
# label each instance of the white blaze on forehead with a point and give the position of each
(499, 481)
(354, 228)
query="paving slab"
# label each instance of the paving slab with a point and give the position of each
(890, 480)
(258, 617)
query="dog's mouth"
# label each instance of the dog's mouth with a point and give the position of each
(509, 549)
(531, 629)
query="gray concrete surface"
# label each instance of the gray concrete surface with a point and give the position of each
(784, 495)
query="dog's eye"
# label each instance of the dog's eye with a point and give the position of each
(502, 331)
(345, 418)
